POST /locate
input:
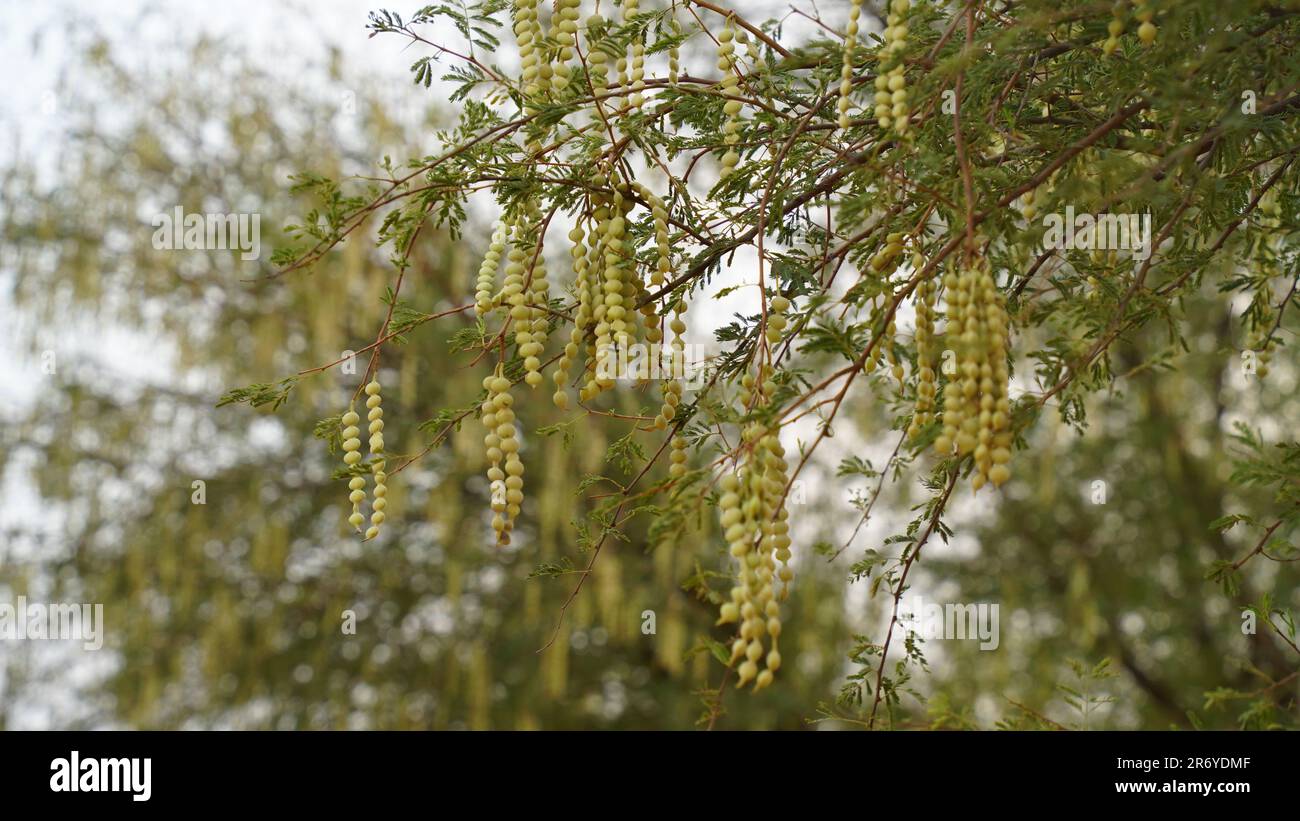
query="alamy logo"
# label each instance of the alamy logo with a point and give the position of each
(209, 232)
(1099, 232)
(952, 621)
(75, 774)
(52, 622)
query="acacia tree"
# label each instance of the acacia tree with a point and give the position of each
(959, 213)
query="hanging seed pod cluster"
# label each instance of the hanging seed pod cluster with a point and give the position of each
(925, 352)
(754, 521)
(729, 88)
(892, 108)
(351, 436)
(502, 443)
(375, 414)
(976, 406)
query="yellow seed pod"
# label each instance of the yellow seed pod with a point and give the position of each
(728, 87)
(564, 29)
(776, 319)
(677, 468)
(976, 404)
(528, 37)
(613, 329)
(352, 455)
(892, 107)
(526, 291)
(376, 419)
(659, 214)
(506, 470)
(1114, 28)
(593, 26)
(846, 70)
(483, 297)
(636, 78)
(674, 53)
(1146, 31)
(672, 388)
(925, 353)
(582, 316)
(754, 522)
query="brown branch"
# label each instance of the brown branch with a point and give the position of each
(912, 556)
(745, 24)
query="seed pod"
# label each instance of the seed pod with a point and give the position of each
(776, 319)
(376, 418)
(526, 292)
(539, 305)
(1115, 27)
(977, 407)
(885, 260)
(502, 445)
(754, 521)
(484, 300)
(612, 326)
(600, 339)
(593, 29)
(636, 79)
(846, 71)
(581, 319)
(1146, 31)
(892, 109)
(529, 39)
(352, 455)
(565, 29)
(672, 389)
(729, 84)
(674, 53)
(677, 469)
(925, 359)
(659, 215)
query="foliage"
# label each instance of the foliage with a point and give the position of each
(631, 201)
